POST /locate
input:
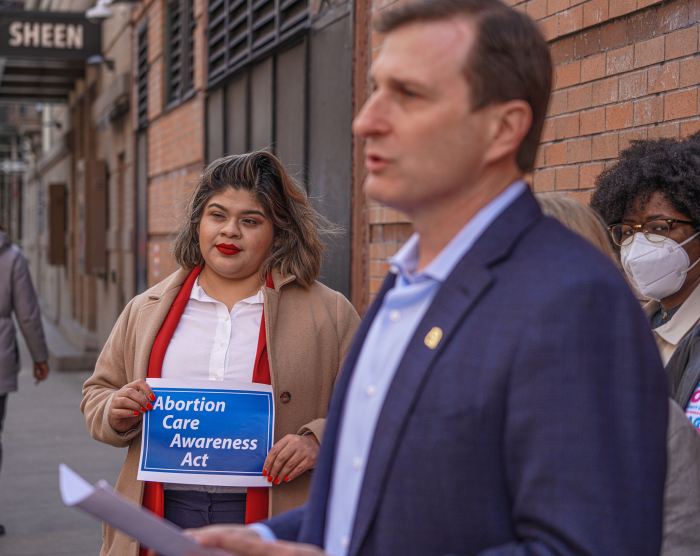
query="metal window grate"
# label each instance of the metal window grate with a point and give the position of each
(142, 77)
(180, 49)
(241, 30)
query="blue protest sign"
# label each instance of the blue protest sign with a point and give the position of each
(207, 433)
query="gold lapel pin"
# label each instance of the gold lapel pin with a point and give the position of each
(432, 338)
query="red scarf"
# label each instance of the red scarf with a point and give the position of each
(153, 496)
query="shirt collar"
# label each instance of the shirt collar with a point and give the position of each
(682, 321)
(405, 262)
(199, 294)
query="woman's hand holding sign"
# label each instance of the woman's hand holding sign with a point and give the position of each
(128, 404)
(292, 456)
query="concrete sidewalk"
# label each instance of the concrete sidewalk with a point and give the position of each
(44, 427)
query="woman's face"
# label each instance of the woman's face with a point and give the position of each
(235, 235)
(659, 207)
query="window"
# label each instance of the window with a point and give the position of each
(242, 31)
(179, 49)
(142, 77)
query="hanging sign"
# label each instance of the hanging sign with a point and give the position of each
(49, 35)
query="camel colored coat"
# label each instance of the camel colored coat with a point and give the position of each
(308, 332)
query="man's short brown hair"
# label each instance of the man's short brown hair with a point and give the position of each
(510, 58)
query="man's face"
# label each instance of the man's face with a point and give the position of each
(424, 145)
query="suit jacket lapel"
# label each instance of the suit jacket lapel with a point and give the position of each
(468, 281)
(450, 305)
(313, 526)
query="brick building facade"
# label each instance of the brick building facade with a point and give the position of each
(624, 70)
(198, 79)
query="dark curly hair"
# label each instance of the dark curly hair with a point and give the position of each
(666, 166)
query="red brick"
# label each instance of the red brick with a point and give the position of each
(620, 60)
(689, 127)
(566, 126)
(593, 67)
(570, 21)
(690, 72)
(558, 103)
(592, 121)
(605, 91)
(622, 7)
(604, 146)
(633, 85)
(594, 12)
(682, 42)
(681, 104)
(537, 9)
(619, 116)
(543, 179)
(555, 154)
(627, 136)
(580, 97)
(588, 174)
(578, 150)
(567, 177)
(648, 111)
(548, 26)
(567, 75)
(554, 6)
(663, 78)
(649, 52)
(670, 131)
(548, 133)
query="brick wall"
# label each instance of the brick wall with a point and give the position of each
(624, 70)
(175, 138)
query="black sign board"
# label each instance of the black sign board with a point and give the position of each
(48, 35)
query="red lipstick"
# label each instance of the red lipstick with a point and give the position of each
(227, 248)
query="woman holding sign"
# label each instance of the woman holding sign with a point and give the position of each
(244, 306)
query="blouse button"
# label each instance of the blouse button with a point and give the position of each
(285, 397)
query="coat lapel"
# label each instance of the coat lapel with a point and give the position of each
(151, 317)
(456, 297)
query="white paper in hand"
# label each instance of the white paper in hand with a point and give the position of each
(150, 530)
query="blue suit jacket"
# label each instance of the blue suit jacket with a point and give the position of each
(537, 425)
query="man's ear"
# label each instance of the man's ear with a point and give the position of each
(512, 121)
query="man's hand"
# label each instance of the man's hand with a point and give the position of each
(41, 371)
(290, 457)
(245, 542)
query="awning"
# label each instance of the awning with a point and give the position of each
(42, 54)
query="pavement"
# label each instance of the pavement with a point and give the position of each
(44, 427)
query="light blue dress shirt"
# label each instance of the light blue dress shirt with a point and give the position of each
(402, 309)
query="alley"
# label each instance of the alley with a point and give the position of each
(44, 427)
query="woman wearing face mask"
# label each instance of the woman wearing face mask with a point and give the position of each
(245, 305)
(650, 201)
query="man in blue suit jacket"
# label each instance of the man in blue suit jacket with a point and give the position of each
(503, 395)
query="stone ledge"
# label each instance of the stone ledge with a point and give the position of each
(65, 356)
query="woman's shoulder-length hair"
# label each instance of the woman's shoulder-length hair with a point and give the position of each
(296, 246)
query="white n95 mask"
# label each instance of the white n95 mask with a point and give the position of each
(657, 268)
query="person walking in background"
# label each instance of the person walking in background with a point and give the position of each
(682, 488)
(504, 395)
(250, 253)
(18, 299)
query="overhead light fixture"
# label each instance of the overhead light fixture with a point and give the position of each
(102, 10)
(99, 11)
(98, 60)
